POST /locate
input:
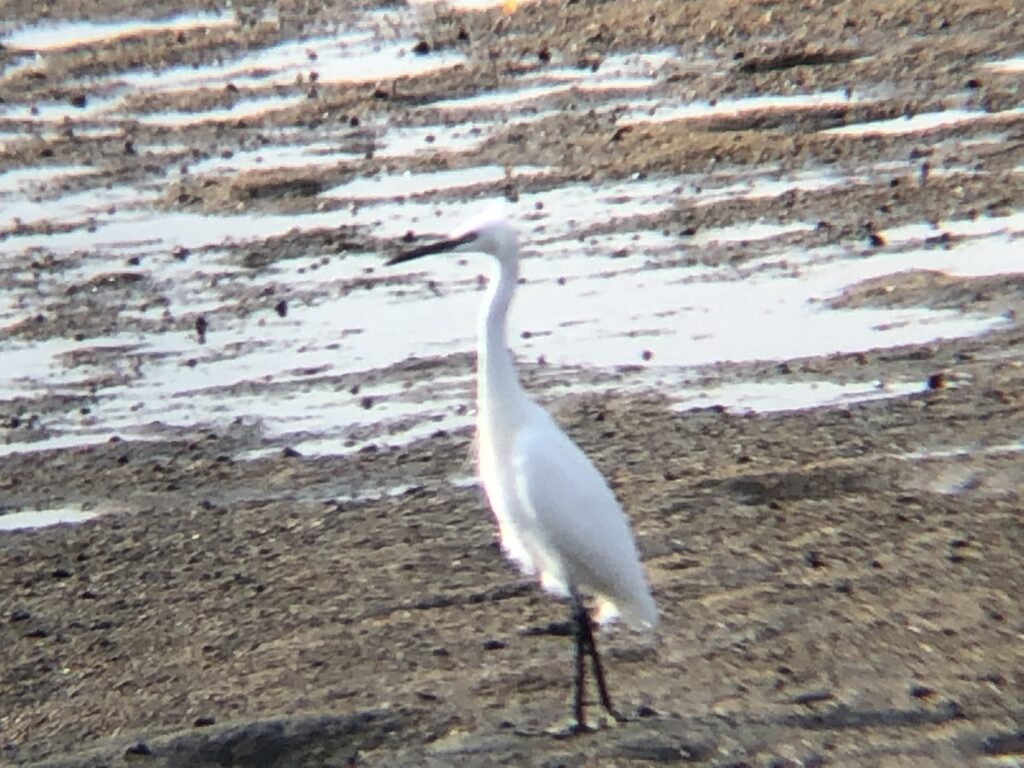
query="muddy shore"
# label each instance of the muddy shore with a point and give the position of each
(838, 585)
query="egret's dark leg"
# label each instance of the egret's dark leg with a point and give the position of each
(581, 626)
(591, 646)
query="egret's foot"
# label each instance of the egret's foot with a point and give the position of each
(566, 729)
(530, 733)
(613, 717)
(560, 729)
(573, 727)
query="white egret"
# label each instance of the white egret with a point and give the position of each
(556, 515)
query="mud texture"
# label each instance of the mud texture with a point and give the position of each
(839, 586)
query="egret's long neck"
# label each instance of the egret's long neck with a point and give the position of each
(496, 375)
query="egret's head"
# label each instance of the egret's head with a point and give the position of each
(489, 233)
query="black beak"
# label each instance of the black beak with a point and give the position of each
(428, 250)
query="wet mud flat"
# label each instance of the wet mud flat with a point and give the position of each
(806, 391)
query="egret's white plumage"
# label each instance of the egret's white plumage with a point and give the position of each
(557, 517)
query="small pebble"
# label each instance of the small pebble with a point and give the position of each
(140, 748)
(813, 559)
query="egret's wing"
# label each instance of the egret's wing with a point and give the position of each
(575, 521)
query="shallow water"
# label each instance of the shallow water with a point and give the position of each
(792, 396)
(14, 521)
(65, 34)
(609, 299)
(924, 121)
(702, 110)
(689, 317)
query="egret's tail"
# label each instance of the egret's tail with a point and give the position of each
(639, 612)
